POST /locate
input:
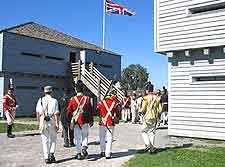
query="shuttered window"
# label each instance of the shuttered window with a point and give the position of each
(207, 8)
(208, 78)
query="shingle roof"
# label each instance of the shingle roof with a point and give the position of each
(32, 29)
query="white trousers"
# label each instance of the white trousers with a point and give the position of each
(148, 133)
(10, 117)
(164, 117)
(126, 114)
(106, 139)
(134, 115)
(81, 136)
(49, 137)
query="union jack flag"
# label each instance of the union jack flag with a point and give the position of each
(117, 9)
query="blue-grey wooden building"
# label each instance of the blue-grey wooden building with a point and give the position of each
(34, 56)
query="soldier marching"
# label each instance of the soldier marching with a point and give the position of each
(108, 112)
(77, 117)
(80, 114)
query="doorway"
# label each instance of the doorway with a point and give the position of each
(73, 57)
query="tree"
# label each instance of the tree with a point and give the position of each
(134, 77)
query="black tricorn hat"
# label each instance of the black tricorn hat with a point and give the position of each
(79, 86)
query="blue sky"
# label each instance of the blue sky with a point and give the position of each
(133, 37)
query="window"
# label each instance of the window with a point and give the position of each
(209, 78)
(31, 54)
(105, 65)
(54, 58)
(26, 87)
(207, 8)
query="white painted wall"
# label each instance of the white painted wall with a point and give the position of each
(177, 29)
(197, 109)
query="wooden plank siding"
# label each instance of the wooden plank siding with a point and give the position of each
(177, 29)
(197, 109)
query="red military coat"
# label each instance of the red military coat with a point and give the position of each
(86, 116)
(9, 102)
(106, 119)
(125, 102)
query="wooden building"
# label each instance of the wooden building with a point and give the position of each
(191, 33)
(35, 56)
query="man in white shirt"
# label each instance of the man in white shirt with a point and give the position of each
(47, 112)
(134, 107)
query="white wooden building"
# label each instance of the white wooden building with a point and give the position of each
(192, 34)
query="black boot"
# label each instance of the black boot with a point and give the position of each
(78, 156)
(9, 131)
(84, 152)
(52, 158)
(66, 145)
(72, 144)
(102, 154)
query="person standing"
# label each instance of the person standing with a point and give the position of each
(68, 133)
(139, 104)
(80, 114)
(151, 107)
(9, 108)
(125, 107)
(164, 101)
(133, 108)
(47, 112)
(108, 112)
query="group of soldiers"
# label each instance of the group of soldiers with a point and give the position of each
(76, 115)
(132, 106)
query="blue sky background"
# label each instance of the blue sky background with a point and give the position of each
(133, 37)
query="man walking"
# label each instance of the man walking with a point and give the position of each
(80, 114)
(9, 108)
(48, 117)
(151, 107)
(125, 107)
(108, 111)
(68, 133)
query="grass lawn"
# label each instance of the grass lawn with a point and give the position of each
(18, 127)
(24, 119)
(191, 157)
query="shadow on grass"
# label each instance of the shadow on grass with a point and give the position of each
(167, 148)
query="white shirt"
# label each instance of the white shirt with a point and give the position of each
(49, 106)
(133, 104)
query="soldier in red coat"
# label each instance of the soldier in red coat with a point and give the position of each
(80, 115)
(9, 108)
(108, 111)
(125, 108)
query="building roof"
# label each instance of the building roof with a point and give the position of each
(34, 30)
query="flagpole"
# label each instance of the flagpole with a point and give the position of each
(103, 25)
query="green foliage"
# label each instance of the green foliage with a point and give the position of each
(134, 77)
(192, 157)
(18, 127)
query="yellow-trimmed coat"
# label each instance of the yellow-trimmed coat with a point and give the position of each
(156, 107)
